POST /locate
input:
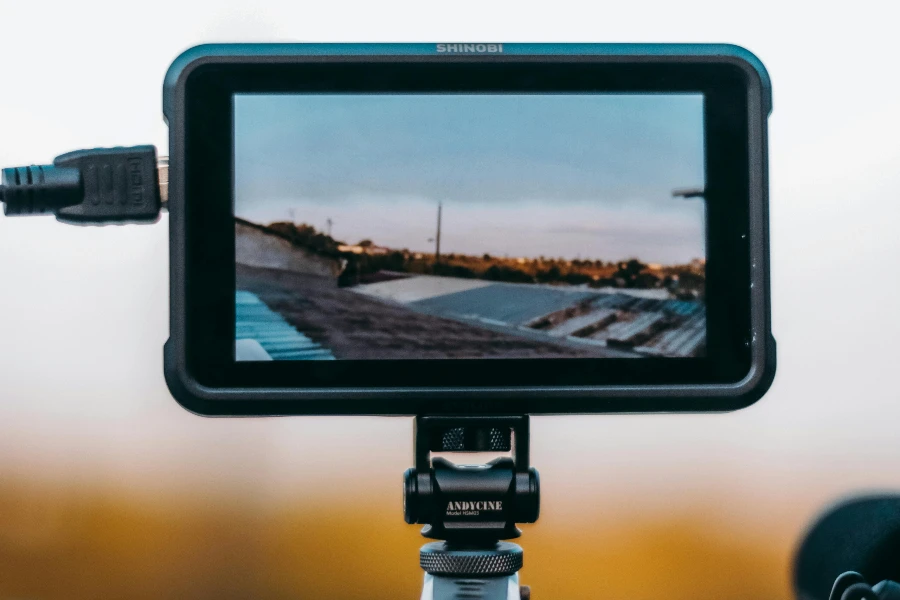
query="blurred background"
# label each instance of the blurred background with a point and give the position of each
(109, 489)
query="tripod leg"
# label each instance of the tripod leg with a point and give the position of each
(483, 588)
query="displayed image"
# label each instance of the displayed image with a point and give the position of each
(469, 226)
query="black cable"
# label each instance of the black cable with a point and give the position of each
(87, 187)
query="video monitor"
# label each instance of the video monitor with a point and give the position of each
(395, 229)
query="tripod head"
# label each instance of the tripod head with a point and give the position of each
(471, 504)
(471, 507)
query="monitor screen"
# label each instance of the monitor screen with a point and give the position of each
(478, 226)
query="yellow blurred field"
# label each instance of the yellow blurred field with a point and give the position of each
(91, 542)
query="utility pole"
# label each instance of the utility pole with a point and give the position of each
(328, 222)
(437, 239)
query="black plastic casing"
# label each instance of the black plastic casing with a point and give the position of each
(119, 184)
(197, 394)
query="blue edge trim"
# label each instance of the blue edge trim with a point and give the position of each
(725, 52)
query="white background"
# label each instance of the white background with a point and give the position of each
(83, 312)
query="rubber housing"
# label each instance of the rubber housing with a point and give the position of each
(447, 400)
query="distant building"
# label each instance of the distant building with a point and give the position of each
(367, 249)
(258, 246)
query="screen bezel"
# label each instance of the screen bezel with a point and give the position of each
(626, 384)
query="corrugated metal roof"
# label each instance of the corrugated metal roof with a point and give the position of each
(594, 320)
(256, 321)
(504, 302)
(647, 325)
(629, 333)
(684, 340)
(632, 325)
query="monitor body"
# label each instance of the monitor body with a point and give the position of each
(508, 270)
